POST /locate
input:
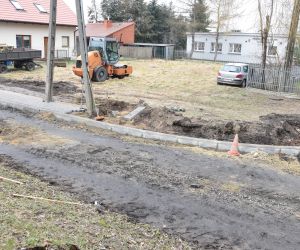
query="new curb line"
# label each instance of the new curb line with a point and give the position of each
(199, 142)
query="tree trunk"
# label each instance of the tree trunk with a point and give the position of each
(193, 46)
(218, 29)
(216, 45)
(95, 11)
(292, 36)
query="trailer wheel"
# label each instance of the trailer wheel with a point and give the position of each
(100, 74)
(18, 65)
(30, 66)
(3, 68)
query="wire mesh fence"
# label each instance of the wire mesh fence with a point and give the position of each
(180, 54)
(274, 79)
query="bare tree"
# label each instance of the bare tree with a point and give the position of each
(283, 16)
(265, 11)
(94, 12)
(223, 11)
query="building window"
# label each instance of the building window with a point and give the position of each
(272, 51)
(23, 41)
(199, 46)
(65, 42)
(40, 8)
(235, 48)
(17, 5)
(213, 47)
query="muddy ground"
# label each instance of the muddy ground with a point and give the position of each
(213, 203)
(272, 129)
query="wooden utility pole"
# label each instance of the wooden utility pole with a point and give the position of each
(83, 51)
(84, 59)
(51, 50)
(292, 36)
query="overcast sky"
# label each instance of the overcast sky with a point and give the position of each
(245, 22)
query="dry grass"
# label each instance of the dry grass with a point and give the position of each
(61, 74)
(29, 223)
(18, 134)
(277, 162)
(232, 187)
(188, 84)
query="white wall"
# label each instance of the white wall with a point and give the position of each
(251, 47)
(8, 32)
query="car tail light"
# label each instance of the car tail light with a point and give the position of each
(240, 76)
(219, 74)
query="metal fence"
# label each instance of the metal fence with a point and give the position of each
(180, 54)
(274, 79)
(136, 52)
(148, 52)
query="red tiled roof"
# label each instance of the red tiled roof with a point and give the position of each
(30, 14)
(100, 30)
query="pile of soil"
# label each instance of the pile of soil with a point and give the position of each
(59, 88)
(107, 106)
(273, 129)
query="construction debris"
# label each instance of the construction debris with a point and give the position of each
(134, 113)
(5, 48)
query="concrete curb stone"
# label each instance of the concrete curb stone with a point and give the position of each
(199, 142)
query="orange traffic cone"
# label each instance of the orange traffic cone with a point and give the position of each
(234, 151)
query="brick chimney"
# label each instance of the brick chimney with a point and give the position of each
(107, 24)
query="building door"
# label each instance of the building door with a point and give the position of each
(45, 47)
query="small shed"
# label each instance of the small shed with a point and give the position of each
(161, 51)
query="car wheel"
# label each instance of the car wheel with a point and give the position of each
(244, 84)
(100, 74)
(219, 83)
(30, 66)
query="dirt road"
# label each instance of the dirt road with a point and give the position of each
(213, 203)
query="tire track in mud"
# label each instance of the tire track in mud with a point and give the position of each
(152, 184)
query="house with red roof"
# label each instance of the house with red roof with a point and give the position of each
(123, 32)
(24, 24)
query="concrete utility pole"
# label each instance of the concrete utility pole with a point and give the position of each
(292, 36)
(51, 50)
(83, 51)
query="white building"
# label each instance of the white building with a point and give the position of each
(24, 24)
(236, 47)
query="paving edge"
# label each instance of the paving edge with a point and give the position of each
(185, 140)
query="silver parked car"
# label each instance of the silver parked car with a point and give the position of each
(233, 74)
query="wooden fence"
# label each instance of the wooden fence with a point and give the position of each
(136, 52)
(274, 79)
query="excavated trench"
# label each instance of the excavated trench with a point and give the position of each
(272, 129)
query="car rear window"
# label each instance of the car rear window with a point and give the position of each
(231, 68)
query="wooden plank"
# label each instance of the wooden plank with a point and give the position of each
(45, 199)
(10, 180)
